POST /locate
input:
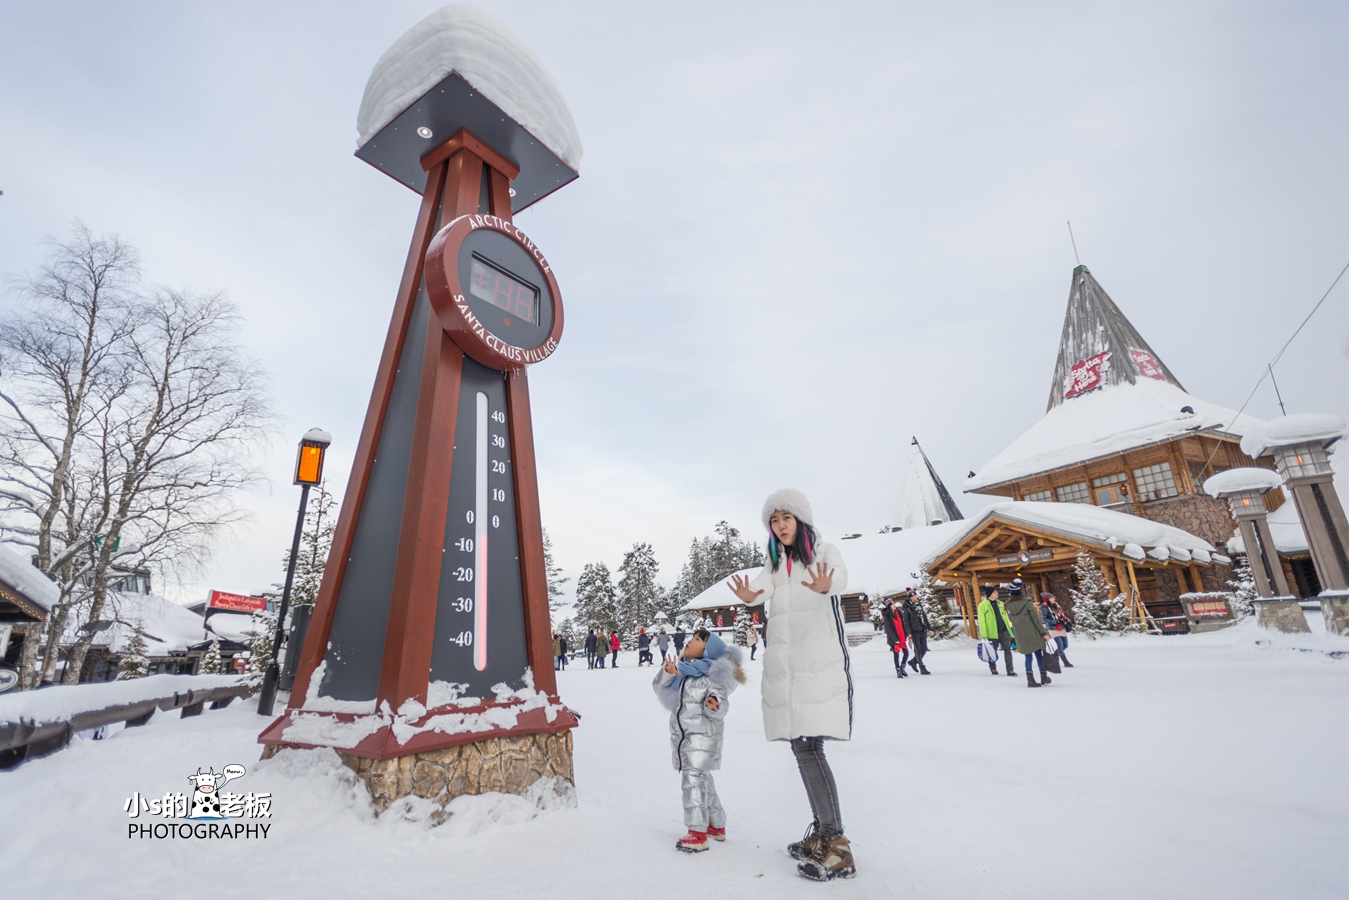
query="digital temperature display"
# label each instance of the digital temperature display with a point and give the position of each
(487, 282)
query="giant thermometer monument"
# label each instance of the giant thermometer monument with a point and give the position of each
(428, 661)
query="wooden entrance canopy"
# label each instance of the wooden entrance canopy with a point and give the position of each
(1031, 540)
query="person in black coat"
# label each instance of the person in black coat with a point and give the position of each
(892, 617)
(916, 626)
(590, 649)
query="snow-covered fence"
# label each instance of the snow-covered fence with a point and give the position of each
(36, 722)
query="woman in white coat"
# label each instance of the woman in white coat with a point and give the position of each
(807, 682)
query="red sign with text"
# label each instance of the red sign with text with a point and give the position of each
(1086, 375)
(1147, 364)
(236, 602)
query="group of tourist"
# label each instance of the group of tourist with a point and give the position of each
(906, 627)
(1025, 624)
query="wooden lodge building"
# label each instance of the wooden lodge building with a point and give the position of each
(1120, 435)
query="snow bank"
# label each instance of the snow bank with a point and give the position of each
(1297, 429)
(54, 704)
(485, 53)
(17, 572)
(1248, 478)
(1106, 422)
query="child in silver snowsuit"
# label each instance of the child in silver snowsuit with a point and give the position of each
(695, 691)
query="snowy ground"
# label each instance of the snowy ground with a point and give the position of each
(1200, 766)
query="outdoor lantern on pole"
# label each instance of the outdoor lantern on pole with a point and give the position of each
(308, 472)
(1244, 490)
(1300, 445)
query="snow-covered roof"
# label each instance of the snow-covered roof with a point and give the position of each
(168, 627)
(923, 498)
(1105, 422)
(1134, 536)
(231, 626)
(1247, 478)
(719, 594)
(487, 54)
(1297, 429)
(881, 565)
(23, 577)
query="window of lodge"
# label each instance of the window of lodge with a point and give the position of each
(1046, 496)
(1155, 482)
(1074, 493)
(1111, 489)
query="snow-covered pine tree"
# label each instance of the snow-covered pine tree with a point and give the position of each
(596, 599)
(258, 639)
(210, 662)
(133, 664)
(742, 629)
(553, 572)
(1244, 592)
(637, 589)
(938, 613)
(1091, 598)
(320, 521)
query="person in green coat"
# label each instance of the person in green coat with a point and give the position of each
(994, 627)
(1030, 632)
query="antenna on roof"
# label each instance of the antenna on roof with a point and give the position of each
(1074, 240)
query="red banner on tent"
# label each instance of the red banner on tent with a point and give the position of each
(237, 602)
(1086, 375)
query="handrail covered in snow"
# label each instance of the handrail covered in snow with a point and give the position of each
(26, 736)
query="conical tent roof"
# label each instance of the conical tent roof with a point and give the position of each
(924, 500)
(1099, 347)
(1098, 404)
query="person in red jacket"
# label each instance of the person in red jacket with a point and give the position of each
(893, 620)
(614, 644)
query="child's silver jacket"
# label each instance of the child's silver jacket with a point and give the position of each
(696, 732)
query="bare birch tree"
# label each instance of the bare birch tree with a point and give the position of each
(126, 423)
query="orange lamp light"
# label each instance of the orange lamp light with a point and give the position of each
(309, 457)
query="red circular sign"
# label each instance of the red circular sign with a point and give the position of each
(511, 316)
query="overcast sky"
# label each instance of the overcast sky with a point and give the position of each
(802, 232)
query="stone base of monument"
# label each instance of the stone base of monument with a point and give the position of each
(536, 766)
(1335, 611)
(1281, 614)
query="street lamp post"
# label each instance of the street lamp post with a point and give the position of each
(308, 472)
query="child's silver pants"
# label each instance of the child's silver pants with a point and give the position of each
(702, 806)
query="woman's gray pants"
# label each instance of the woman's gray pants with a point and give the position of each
(702, 806)
(819, 782)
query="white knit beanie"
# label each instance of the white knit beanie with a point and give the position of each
(790, 501)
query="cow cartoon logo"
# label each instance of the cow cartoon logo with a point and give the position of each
(206, 791)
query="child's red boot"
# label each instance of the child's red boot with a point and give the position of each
(693, 842)
(715, 833)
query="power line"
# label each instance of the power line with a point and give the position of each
(1269, 369)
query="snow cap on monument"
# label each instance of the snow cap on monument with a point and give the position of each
(925, 499)
(1300, 428)
(788, 500)
(487, 54)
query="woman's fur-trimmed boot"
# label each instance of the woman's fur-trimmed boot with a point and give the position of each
(832, 859)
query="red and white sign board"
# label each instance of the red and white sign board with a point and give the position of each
(1147, 364)
(236, 602)
(1086, 375)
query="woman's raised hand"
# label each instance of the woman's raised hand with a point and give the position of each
(821, 580)
(740, 587)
